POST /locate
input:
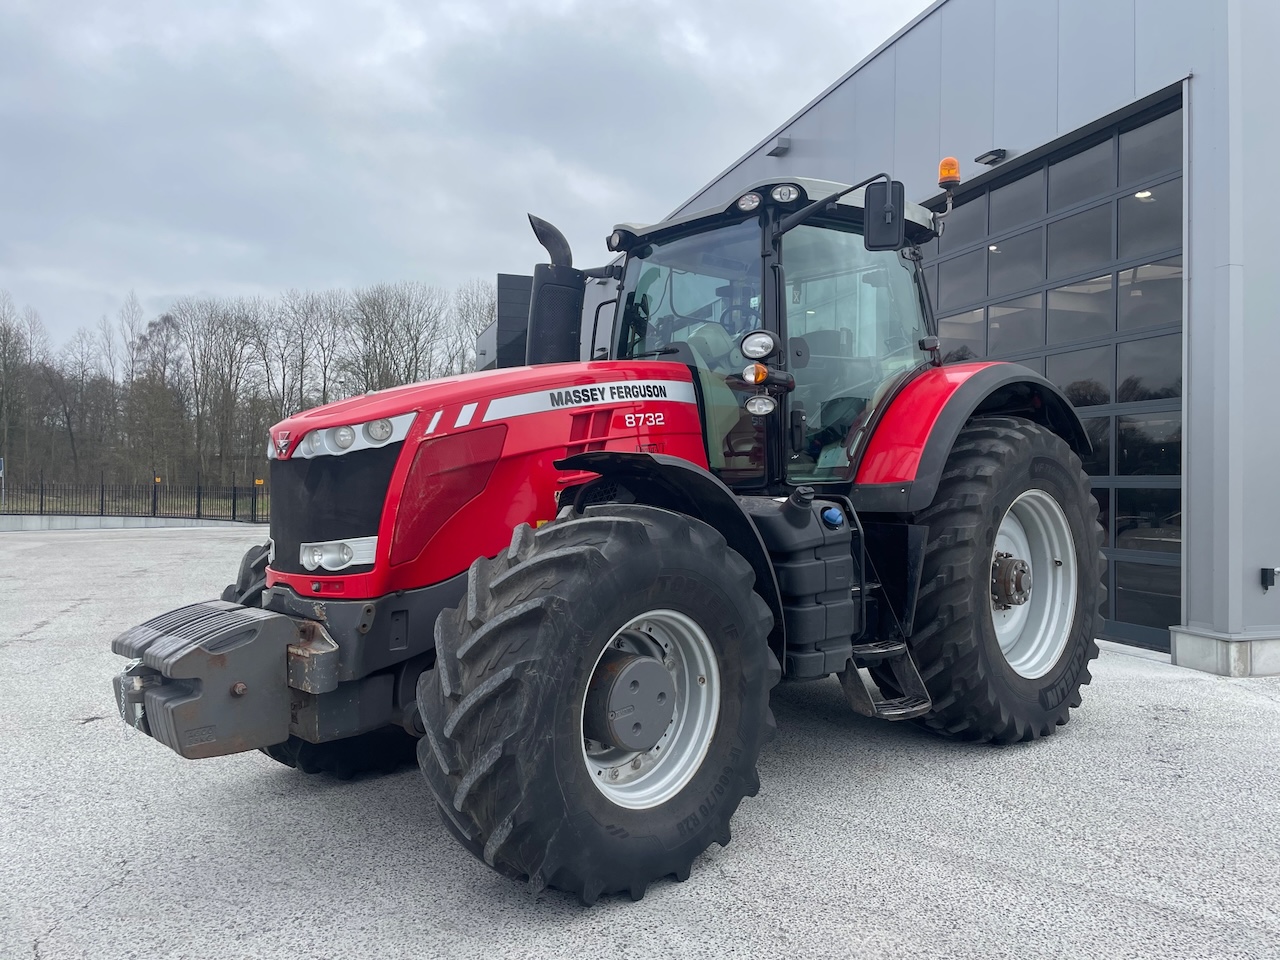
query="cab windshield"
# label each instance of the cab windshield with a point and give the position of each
(690, 300)
(852, 322)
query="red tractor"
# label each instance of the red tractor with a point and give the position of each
(570, 586)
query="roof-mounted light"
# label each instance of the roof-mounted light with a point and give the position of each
(948, 173)
(620, 241)
(748, 202)
(785, 193)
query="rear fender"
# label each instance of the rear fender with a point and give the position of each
(903, 462)
(675, 484)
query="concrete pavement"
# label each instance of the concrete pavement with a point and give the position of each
(1145, 828)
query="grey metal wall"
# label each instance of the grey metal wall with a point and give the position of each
(969, 75)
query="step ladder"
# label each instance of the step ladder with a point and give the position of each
(914, 701)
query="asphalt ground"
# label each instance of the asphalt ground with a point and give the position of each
(1145, 828)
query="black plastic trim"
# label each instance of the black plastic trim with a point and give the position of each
(675, 484)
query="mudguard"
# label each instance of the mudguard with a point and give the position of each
(902, 464)
(676, 484)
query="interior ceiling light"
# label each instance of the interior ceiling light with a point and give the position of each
(1145, 196)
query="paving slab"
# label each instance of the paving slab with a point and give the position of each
(1145, 828)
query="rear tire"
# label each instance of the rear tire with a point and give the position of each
(999, 672)
(505, 751)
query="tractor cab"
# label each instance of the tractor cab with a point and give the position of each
(845, 324)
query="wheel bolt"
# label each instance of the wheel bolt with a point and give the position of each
(702, 681)
(635, 764)
(668, 663)
(238, 689)
(613, 774)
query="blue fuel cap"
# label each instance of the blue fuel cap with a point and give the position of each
(833, 517)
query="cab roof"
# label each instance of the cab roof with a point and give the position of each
(917, 216)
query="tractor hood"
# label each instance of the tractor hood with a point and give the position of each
(455, 403)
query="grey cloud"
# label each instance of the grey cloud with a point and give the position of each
(249, 147)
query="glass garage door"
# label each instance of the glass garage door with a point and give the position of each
(1073, 267)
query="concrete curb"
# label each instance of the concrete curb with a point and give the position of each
(24, 522)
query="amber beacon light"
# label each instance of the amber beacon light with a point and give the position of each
(948, 173)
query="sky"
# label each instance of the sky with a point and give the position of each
(182, 147)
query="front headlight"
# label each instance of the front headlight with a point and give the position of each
(335, 555)
(336, 441)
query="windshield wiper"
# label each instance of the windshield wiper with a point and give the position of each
(655, 353)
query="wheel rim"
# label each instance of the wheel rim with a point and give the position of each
(640, 780)
(1033, 632)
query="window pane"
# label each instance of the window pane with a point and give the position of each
(1152, 149)
(1149, 445)
(1080, 243)
(962, 337)
(929, 250)
(1148, 594)
(1151, 295)
(1016, 263)
(1149, 369)
(1017, 203)
(1078, 178)
(1098, 463)
(1103, 496)
(1149, 520)
(965, 224)
(962, 280)
(1083, 375)
(931, 283)
(1016, 325)
(1082, 310)
(1151, 220)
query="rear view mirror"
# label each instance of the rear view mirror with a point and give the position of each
(885, 215)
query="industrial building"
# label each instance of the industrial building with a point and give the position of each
(1109, 234)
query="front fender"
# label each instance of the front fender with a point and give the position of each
(903, 462)
(675, 484)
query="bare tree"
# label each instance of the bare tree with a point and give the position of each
(474, 307)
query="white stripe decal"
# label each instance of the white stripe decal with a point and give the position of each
(590, 395)
(431, 427)
(465, 415)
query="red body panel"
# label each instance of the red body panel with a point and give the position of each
(605, 413)
(893, 455)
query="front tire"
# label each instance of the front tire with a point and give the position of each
(512, 705)
(1002, 663)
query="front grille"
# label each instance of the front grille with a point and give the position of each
(328, 498)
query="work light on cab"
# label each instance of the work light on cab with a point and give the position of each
(758, 345)
(748, 202)
(785, 193)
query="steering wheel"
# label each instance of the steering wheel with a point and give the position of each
(751, 314)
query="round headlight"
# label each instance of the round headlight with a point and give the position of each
(748, 202)
(344, 554)
(761, 406)
(378, 431)
(785, 193)
(312, 557)
(758, 344)
(344, 437)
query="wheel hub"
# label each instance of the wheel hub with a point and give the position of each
(1010, 581)
(630, 702)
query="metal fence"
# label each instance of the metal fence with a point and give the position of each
(250, 503)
